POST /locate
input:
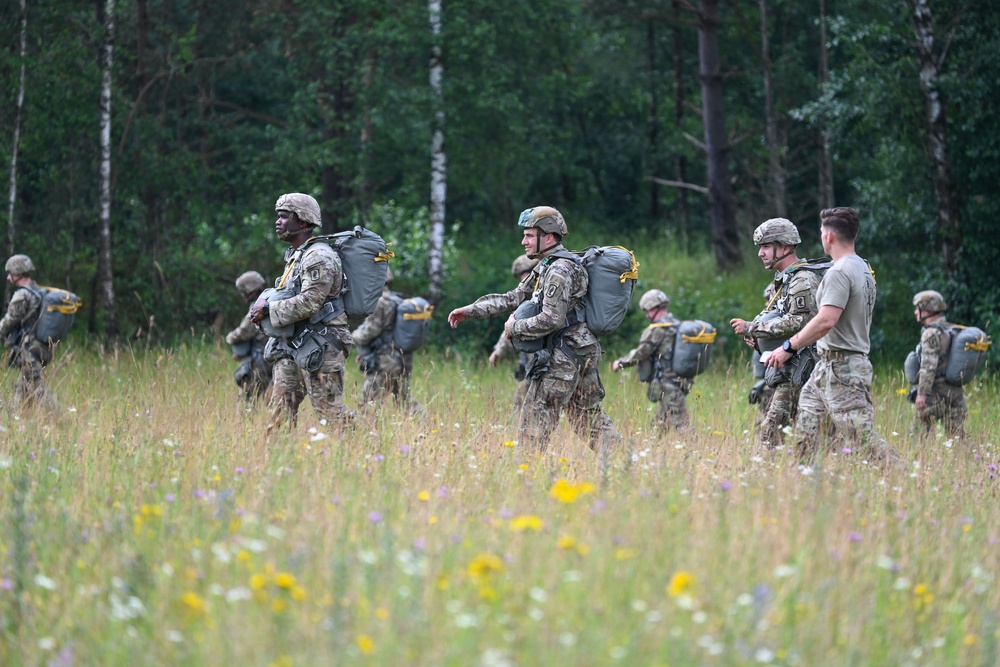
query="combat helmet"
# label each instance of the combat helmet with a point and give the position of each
(930, 300)
(522, 264)
(545, 218)
(302, 205)
(653, 299)
(777, 230)
(250, 282)
(19, 265)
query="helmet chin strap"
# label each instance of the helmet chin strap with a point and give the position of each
(539, 250)
(770, 265)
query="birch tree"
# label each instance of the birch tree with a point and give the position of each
(16, 140)
(936, 135)
(106, 270)
(439, 159)
(824, 159)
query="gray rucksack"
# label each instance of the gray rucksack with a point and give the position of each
(965, 355)
(413, 320)
(55, 313)
(365, 258)
(693, 348)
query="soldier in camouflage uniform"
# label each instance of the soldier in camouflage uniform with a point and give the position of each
(563, 375)
(387, 369)
(27, 353)
(520, 269)
(839, 389)
(253, 375)
(935, 397)
(656, 347)
(790, 303)
(314, 273)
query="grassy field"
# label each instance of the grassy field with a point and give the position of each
(149, 522)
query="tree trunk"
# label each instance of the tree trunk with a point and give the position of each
(654, 121)
(724, 232)
(16, 142)
(104, 218)
(683, 210)
(366, 190)
(948, 215)
(775, 145)
(825, 161)
(439, 159)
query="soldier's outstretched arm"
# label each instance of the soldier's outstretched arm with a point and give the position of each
(457, 316)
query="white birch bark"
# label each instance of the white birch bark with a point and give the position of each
(16, 140)
(106, 275)
(439, 160)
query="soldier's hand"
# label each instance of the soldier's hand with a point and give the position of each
(456, 317)
(493, 359)
(777, 358)
(616, 365)
(739, 326)
(258, 310)
(921, 401)
(508, 326)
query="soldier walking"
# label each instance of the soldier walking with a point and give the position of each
(520, 269)
(656, 349)
(936, 399)
(839, 389)
(314, 276)
(563, 374)
(253, 375)
(27, 353)
(790, 303)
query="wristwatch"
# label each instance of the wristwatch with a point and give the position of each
(787, 346)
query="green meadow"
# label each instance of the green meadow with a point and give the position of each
(150, 521)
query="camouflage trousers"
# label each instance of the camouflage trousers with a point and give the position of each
(324, 387)
(519, 394)
(573, 385)
(390, 378)
(781, 409)
(838, 394)
(945, 403)
(671, 409)
(30, 389)
(254, 379)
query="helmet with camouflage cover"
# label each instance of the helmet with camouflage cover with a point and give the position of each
(20, 265)
(250, 283)
(545, 218)
(302, 205)
(522, 264)
(653, 299)
(930, 300)
(777, 230)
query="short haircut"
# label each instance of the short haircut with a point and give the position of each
(842, 221)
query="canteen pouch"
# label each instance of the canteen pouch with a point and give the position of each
(654, 392)
(308, 348)
(538, 363)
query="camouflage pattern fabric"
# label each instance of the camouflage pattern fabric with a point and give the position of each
(839, 392)
(390, 374)
(565, 383)
(656, 344)
(793, 295)
(316, 270)
(29, 354)
(257, 376)
(945, 402)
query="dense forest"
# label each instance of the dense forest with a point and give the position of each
(147, 141)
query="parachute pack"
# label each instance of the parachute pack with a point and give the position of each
(364, 257)
(611, 272)
(693, 348)
(413, 320)
(56, 313)
(965, 355)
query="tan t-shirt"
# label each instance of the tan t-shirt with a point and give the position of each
(849, 285)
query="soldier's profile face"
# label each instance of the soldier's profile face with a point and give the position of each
(287, 225)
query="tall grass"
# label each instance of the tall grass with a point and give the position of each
(149, 521)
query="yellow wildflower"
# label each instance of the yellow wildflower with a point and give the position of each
(424, 496)
(284, 580)
(193, 603)
(510, 443)
(566, 542)
(484, 565)
(366, 644)
(567, 492)
(525, 522)
(680, 583)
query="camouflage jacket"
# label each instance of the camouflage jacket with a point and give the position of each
(503, 347)
(558, 286)
(21, 312)
(246, 331)
(935, 344)
(379, 324)
(655, 344)
(793, 295)
(315, 271)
